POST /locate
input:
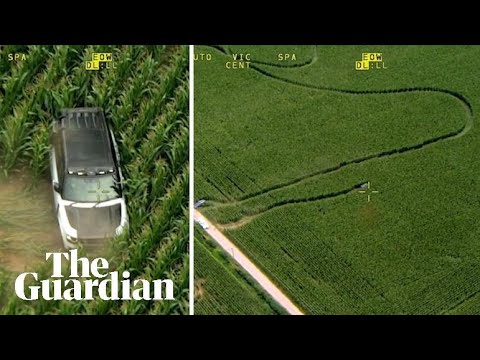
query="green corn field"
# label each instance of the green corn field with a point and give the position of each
(284, 149)
(222, 287)
(145, 99)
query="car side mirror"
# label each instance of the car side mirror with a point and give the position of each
(56, 187)
(118, 181)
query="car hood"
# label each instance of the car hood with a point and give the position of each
(92, 223)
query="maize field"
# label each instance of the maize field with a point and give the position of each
(145, 99)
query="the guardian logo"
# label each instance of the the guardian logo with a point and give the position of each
(88, 280)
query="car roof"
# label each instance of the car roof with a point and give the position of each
(86, 141)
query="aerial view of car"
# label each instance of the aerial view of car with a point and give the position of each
(203, 224)
(86, 178)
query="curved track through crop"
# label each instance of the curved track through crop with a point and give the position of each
(445, 137)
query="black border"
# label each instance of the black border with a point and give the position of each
(244, 26)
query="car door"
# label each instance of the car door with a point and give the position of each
(56, 166)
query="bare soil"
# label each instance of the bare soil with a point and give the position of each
(28, 226)
(199, 288)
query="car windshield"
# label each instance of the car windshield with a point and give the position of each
(89, 188)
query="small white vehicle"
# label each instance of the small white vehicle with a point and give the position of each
(203, 224)
(86, 178)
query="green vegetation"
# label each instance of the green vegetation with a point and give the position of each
(281, 153)
(223, 288)
(145, 99)
(4, 279)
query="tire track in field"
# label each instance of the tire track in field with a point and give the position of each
(268, 191)
(449, 136)
(247, 218)
(295, 182)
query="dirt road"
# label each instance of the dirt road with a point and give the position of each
(248, 266)
(28, 227)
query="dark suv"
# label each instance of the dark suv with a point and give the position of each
(87, 179)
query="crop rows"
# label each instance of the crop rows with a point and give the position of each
(221, 288)
(292, 115)
(146, 101)
(309, 137)
(444, 290)
(223, 174)
(328, 274)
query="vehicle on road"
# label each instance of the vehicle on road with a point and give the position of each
(198, 204)
(86, 178)
(203, 224)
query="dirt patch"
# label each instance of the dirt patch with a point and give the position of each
(28, 226)
(199, 289)
(235, 225)
(369, 214)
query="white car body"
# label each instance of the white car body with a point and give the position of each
(203, 224)
(70, 234)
